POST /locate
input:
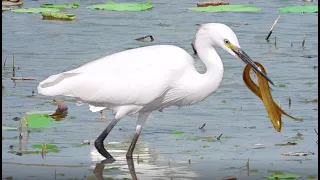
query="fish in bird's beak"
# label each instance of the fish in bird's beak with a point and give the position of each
(245, 58)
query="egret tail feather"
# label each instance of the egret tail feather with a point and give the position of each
(55, 85)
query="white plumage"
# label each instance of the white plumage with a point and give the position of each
(150, 78)
(131, 80)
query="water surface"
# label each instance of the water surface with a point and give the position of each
(43, 48)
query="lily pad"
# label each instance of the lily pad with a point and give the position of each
(205, 138)
(226, 8)
(310, 177)
(299, 9)
(111, 6)
(111, 169)
(309, 83)
(35, 10)
(8, 128)
(275, 172)
(60, 6)
(253, 171)
(282, 176)
(282, 85)
(176, 132)
(38, 120)
(58, 15)
(48, 146)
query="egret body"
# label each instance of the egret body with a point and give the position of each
(142, 80)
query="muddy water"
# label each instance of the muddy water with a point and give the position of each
(43, 48)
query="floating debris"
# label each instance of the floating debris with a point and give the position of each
(205, 4)
(297, 153)
(304, 40)
(8, 3)
(226, 8)
(22, 78)
(258, 146)
(287, 144)
(314, 100)
(230, 178)
(85, 142)
(282, 176)
(202, 126)
(61, 111)
(143, 39)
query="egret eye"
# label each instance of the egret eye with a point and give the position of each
(226, 41)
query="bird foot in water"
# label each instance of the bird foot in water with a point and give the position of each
(108, 161)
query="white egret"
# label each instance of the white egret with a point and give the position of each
(142, 80)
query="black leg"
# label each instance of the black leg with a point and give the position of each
(142, 117)
(131, 168)
(133, 145)
(99, 141)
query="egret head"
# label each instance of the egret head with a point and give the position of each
(220, 35)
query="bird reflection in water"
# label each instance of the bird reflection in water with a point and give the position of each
(98, 170)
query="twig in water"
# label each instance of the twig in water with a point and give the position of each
(202, 126)
(304, 40)
(317, 134)
(219, 137)
(43, 150)
(275, 41)
(289, 102)
(270, 32)
(13, 66)
(248, 166)
(248, 163)
(4, 63)
(291, 44)
(26, 121)
(20, 129)
(138, 159)
(22, 78)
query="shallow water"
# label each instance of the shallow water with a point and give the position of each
(43, 48)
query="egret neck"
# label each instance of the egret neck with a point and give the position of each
(213, 76)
